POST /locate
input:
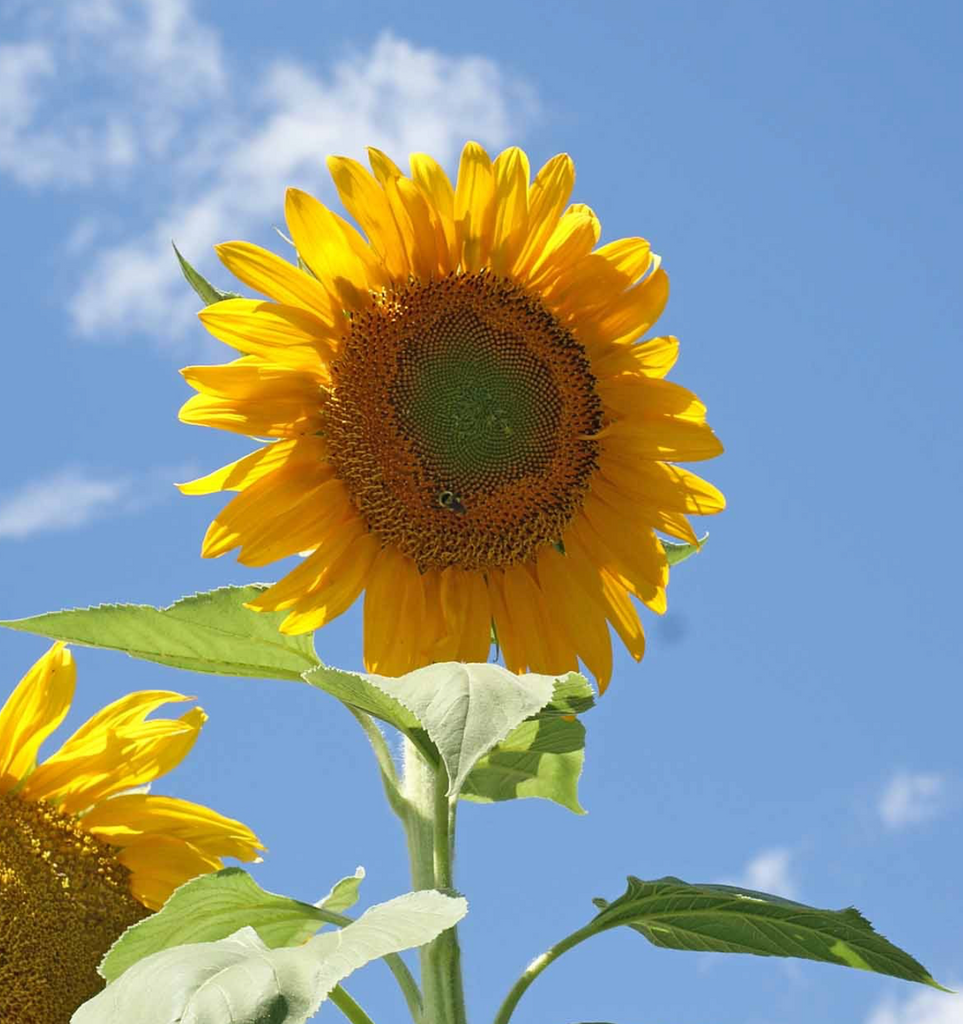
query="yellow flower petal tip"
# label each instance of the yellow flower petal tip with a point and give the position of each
(81, 859)
(451, 392)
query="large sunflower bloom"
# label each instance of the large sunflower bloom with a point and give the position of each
(81, 857)
(465, 425)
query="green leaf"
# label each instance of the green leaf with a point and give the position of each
(466, 709)
(213, 907)
(343, 895)
(211, 632)
(240, 980)
(721, 918)
(676, 552)
(542, 757)
(207, 292)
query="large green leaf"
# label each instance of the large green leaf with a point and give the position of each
(726, 919)
(467, 708)
(542, 757)
(213, 907)
(240, 980)
(211, 632)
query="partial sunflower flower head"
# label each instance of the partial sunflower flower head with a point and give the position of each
(82, 857)
(465, 423)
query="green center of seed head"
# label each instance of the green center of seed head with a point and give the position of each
(480, 409)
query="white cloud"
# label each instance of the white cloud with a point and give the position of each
(395, 96)
(74, 497)
(210, 152)
(910, 798)
(926, 1007)
(64, 501)
(769, 871)
(69, 120)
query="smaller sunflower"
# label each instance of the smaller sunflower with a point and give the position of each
(81, 856)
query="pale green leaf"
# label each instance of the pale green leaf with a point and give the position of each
(720, 918)
(343, 895)
(466, 709)
(205, 290)
(210, 632)
(240, 980)
(213, 907)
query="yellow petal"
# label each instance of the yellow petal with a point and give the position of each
(511, 173)
(252, 378)
(577, 231)
(308, 575)
(474, 206)
(546, 199)
(236, 476)
(269, 507)
(337, 591)
(547, 648)
(279, 334)
(630, 316)
(292, 416)
(122, 819)
(610, 595)
(116, 749)
(338, 256)
(394, 610)
(654, 358)
(365, 200)
(510, 642)
(268, 274)
(431, 178)
(468, 615)
(662, 485)
(636, 395)
(661, 437)
(159, 864)
(36, 707)
(382, 166)
(581, 616)
(599, 279)
(411, 213)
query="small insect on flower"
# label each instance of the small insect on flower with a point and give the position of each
(451, 501)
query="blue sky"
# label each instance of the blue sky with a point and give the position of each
(795, 723)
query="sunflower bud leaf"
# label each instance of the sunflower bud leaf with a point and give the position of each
(679, 552)
(205, 290)
(208, 632)
(241, 979)
(673, 914)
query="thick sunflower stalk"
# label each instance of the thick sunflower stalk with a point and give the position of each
(464, 425)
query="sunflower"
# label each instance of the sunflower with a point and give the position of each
(82, 857)
(463, 422)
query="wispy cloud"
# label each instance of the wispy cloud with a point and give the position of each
(770, 871)
(925, 1007)
(209, 178)
(911, 798)
(64, 501)
(74, 497)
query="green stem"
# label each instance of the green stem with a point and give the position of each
(428, 825)
(348, 1006)
(386, 763)
(536, 967)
